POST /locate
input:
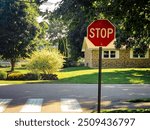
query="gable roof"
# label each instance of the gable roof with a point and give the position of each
(88, 44)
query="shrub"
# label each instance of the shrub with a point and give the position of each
(31, 76)
(15, 76)
(19, 76)
(3, 75)
(80, 61)
(23, 64)
(69, 63)
(45, 61)
(48, 77)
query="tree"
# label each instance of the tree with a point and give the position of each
(57, 33)
(19, 29)
(78, 14)
(131, 18)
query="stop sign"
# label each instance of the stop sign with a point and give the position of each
(101, 32)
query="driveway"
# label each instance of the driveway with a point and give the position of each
(69, 97)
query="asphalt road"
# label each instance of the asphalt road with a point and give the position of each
(86, 94)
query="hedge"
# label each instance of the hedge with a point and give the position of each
(30, 76)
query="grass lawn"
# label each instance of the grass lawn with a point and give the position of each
(128, 110)
(138, 110)
(84, 75)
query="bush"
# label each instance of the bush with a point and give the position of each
(72, 63)
(48, 77)
(30, 76)
(45, 61)
(69, 63)
(19, 76)
(15, 76)
(3, 75)
(80, 61)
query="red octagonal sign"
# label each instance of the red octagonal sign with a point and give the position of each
(101, 32)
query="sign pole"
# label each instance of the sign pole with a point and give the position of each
(99, 80)
(101, 33)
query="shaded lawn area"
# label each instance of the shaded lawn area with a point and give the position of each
(129, 110)
(138, 110)
(109, 76)
(84, 75)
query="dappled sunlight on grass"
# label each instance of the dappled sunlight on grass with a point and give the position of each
(137, 74)
(136, 81)
(75, 71)
(85, 75)
(62, 75)
(109, 76)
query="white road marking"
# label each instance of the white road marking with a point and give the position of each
(33, 105)
(4, 103)
(70, 105)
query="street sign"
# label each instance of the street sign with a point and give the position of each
(101, 32)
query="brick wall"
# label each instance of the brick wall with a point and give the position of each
(124, 61)
(88, 58)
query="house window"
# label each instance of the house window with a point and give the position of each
(134, 54)
(110, 54)
(106, 54)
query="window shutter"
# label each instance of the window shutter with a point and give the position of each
(117, 54)
(131, 53)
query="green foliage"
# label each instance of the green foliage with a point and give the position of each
(3, 75)
(69, 62)
(48, 77)
(80, 61)
(133, 22)
(19, 29)
(138, 110)
(72, 63)
(20, 76)
(57, 31)
(46, 61)
(63, 47)
(131, 17)
(77, 15)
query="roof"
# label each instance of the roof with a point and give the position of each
(87, 43)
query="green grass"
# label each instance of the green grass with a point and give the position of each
(109, 76)
(128, 110)
(84, 75)
(17, 70)
(138, 110)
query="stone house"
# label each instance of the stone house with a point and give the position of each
(114, 58)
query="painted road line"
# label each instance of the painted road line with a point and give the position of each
(70, 105)
(33, 105)
(4, 103)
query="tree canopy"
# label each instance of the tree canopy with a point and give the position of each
(19, 29)
(134, 19)
(131, 18)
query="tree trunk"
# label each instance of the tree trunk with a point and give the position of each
(12, 61)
